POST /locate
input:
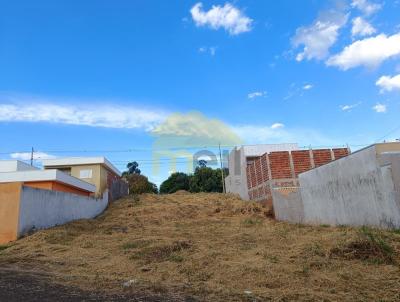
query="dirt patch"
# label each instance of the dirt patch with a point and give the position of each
(209, 247)
(371, 245)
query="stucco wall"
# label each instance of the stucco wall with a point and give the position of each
(55, 186)
(43, 209)
(9, 208)
(355, 190)
(288, 205)
(95, 179)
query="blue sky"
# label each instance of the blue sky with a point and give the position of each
(126, 79)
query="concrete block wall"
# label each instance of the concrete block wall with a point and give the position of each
(280, 169)
(360, 189)
(24, 208)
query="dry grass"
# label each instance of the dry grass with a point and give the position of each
(214, 247)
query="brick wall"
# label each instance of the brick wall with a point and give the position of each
(281, 169)
(301, 161)
(340, 152)
(321, 157)
(280, 164)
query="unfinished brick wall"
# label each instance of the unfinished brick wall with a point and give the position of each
(340, 152)
(264, 168)
(280, 164)
(301, 161)
(281, 169)
(322, 157)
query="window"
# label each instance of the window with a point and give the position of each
(85, 173)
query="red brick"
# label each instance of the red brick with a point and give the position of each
(280, 164)
(301, 161)
(321, 157)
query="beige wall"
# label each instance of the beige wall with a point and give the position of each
(10, 194)
(95, 179)
(387, 147)
(99, 175)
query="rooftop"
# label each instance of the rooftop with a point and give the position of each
(79, 161)
(46, 175)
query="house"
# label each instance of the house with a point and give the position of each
(31, 198)
(239, 157)
(14, 171)
(97, 171)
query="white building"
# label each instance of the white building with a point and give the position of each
(236, 181)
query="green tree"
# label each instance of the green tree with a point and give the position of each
(139, 184)
(175, 182)
(205, 179)
(133, 168)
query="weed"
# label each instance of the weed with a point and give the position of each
(370, 246)
(272, 259)
(396, 231)
(252, 222)
(135, 244)
(314, 250)
(175, 258)
(161, 253)
(4, 247)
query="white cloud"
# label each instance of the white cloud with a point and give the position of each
(257, 94)
(308, 87)
(369, 52)
(319, 37)
(277, 126)
(380, 108)
(264, 134)
(387, 83)
(361, 27)
(108, 116)
(27, 155)
(228, 17)
(366, 7)
(349, 107)
(211, 50)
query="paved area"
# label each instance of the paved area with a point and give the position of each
(16, 286)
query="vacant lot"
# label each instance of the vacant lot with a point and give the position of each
(210, 247)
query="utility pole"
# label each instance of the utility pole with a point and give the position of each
(32, 157)
(222, 169)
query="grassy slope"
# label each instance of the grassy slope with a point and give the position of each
(214, 247)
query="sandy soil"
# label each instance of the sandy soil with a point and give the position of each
(204, 247)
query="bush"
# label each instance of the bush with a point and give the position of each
(175, 182)
(139, 184)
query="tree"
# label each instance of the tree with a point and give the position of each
(202, 163)
(133, 168)
(175, 182)
(205, 179)
(139, 184)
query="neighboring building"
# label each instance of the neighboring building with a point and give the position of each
(280, 169)
(360, 189)
(12, 171)
(239, 157)
(95, 170)
(14, 166)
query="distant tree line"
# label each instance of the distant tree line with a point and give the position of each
(204, 179)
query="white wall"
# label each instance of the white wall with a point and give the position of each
(355, 190)
(42, 209)
(14, 166)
